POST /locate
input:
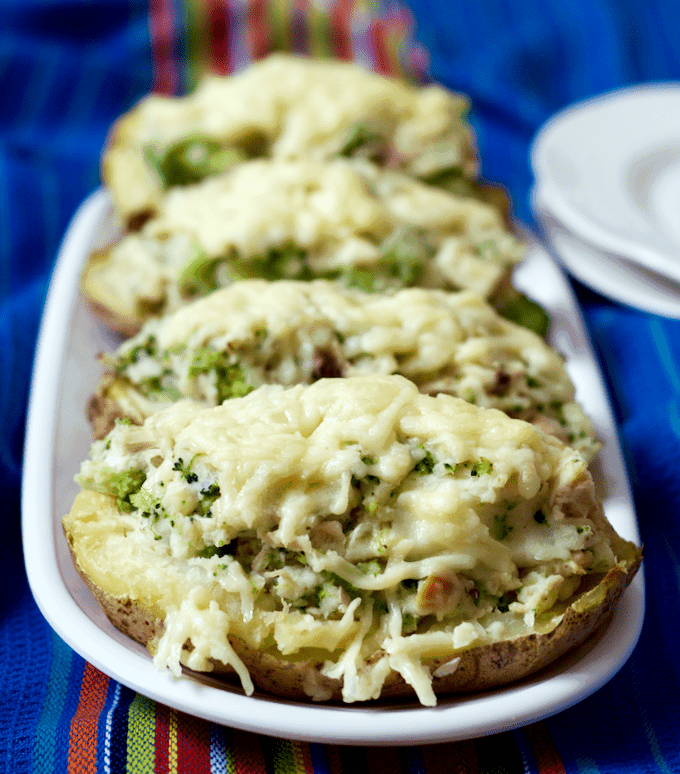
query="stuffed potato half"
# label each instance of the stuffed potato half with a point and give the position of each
(352, 539)
(290, 332)
(344, 220)
(287, 107)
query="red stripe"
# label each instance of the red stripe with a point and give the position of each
(218, 24)
(82, 751)
(340, 30)
(162, 34)
(259, 38)
(547, 758)
(248, 754)
(380, 54)
(162, 739)
(193, 745)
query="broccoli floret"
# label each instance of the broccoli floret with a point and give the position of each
(129, 357)
(192, 160)
(283, 262)
(501, 529)
(522, 310)
(370, 568)
(185, 469)
(481, 467)
(336, 580)
(208, 497)
(199, 275)
(210, 551)
(401, 265)
(426, 464)
(145, 501)
(119, 484)
(230, 378)
(363, 139)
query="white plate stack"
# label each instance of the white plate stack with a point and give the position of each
(607, 194)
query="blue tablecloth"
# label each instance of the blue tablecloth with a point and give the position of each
(69, 67)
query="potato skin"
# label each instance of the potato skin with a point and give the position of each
(102, 302)
(478, 668)
(108, 403)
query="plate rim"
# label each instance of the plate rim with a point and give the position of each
(577, 221)
(458, 719)
(664, 301)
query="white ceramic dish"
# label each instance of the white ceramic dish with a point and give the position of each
(609, 170)
(614, 277)
(58, 438)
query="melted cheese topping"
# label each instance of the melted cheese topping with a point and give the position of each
(356, 519)
(344, 220)
(261, 204)
(288, 332)
(291, 108)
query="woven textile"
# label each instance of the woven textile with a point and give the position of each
(67, 69)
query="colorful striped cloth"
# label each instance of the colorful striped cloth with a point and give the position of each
(89, 723)
(220, 37)
(67, 69)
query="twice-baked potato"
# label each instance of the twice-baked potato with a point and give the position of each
(344, 220)
(352, 539)
(287, 107)
(290, 332)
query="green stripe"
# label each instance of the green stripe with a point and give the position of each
(283, 758)
(319, 35)
(53, 707)
(196, 35)
(141, 739)
(279, 12)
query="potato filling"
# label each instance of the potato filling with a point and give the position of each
(344, 220)
(288, 332)
(353, 519)
(287, 107)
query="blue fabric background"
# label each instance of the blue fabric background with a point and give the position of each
(69, 67)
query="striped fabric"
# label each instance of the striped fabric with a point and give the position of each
(222, 36)
(67, 69)
(89, 723)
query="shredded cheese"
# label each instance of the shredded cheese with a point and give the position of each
(232, 519)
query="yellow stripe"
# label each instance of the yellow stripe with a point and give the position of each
(226, 743)
(172, 742)
(298, 750)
